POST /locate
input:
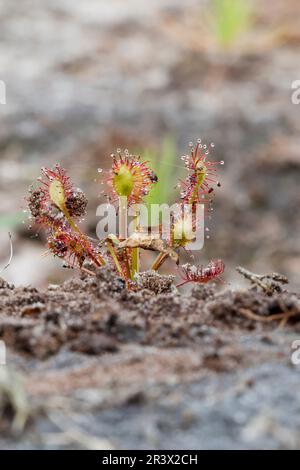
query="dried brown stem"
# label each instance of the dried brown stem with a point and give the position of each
(269, 283)
(11, 253)
(267, 319)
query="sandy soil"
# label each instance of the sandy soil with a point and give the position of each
(93, 365)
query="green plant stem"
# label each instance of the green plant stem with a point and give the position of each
(182, 283)
(123, 216)
(123, 220)
(135, 252)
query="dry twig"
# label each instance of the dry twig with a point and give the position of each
(267, 319)
(269, 283)
(11, 253)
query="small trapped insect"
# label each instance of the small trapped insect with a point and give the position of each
(58, 206)
(153, 177)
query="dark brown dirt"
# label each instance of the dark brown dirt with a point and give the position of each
(97, 315)
(94, 355)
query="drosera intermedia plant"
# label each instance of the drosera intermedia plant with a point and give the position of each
(200, 274)
(57, 205)
(197, 188)
(131, 179)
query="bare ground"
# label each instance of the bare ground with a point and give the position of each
(104, 367)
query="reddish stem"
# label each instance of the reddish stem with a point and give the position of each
(182, 283)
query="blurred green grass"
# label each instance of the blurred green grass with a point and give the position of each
(11, 221)
(166, 166)
(229, 20)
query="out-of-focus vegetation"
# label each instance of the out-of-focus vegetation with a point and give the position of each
(229, 20)
(10, 221)
(166, 167)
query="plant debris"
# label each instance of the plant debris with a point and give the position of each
(269, 283)
(11, 254)
(95, 314)
(14, 406)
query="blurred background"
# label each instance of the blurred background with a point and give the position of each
(84, 78)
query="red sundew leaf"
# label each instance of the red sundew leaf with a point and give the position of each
(130, 177)
(201, 179)
(201, 274)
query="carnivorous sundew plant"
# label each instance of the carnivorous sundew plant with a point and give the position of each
(57, 206)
